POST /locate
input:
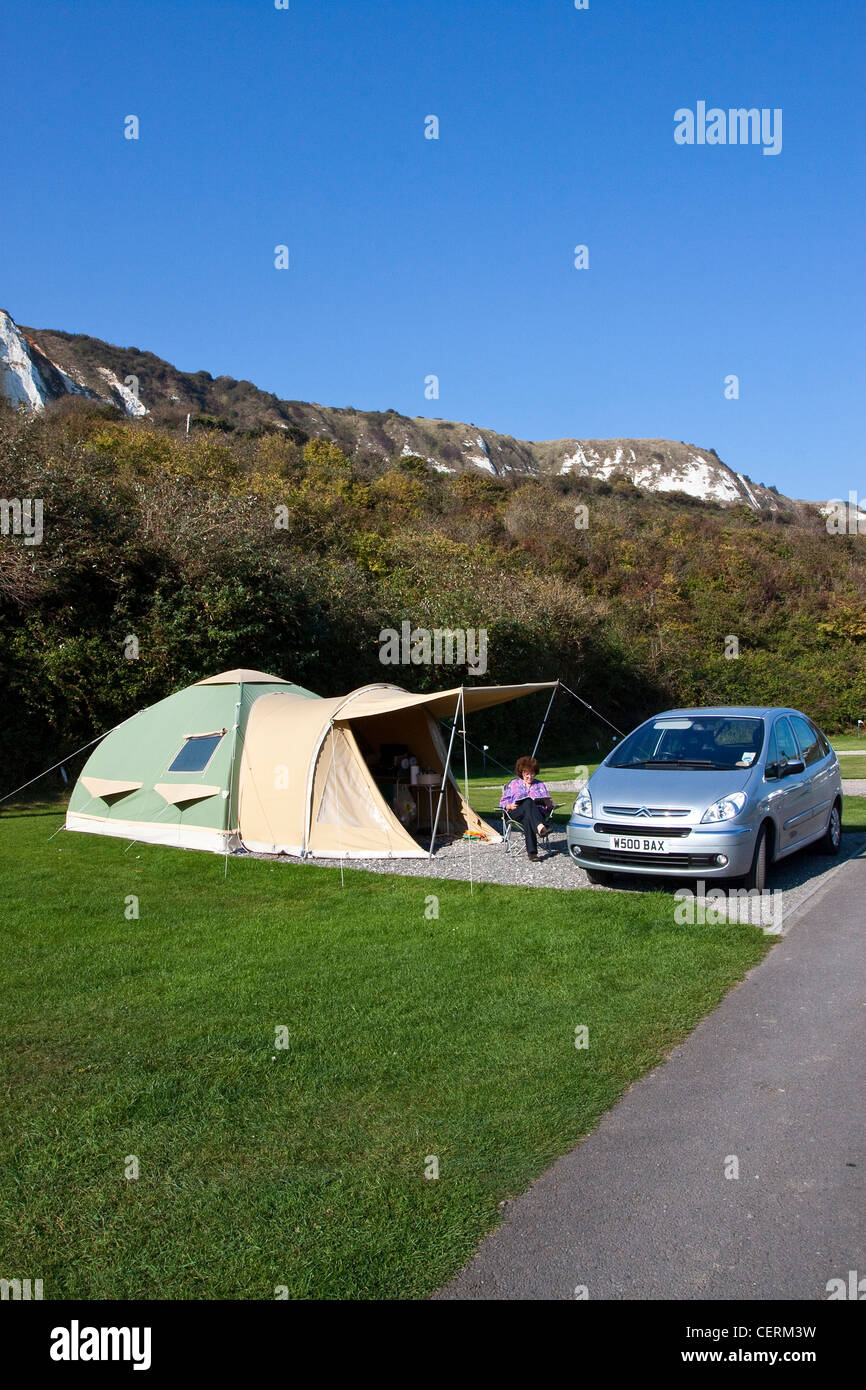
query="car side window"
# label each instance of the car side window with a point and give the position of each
(808, 741)
(771, 767)
(785, 741)
(822, 741)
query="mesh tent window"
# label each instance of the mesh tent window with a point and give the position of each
(196, 752)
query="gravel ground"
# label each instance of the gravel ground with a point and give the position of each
(795, 878)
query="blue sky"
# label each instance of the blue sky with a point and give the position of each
(454, 257)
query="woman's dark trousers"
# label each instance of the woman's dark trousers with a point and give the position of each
(530, 816)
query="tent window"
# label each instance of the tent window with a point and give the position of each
(196, 753)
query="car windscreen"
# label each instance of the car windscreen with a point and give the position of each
(690, 742)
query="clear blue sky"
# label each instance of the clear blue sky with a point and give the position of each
(411, 256)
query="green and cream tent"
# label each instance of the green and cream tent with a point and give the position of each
(246, 760)
(168, 775)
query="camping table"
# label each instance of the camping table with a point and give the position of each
(431, 780)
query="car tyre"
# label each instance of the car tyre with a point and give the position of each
(757, 875)
(598, 876)
(831, 840)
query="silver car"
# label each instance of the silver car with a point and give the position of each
(709, 793)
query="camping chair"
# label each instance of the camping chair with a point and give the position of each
(510, 826)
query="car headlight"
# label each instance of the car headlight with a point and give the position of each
(583, 804)
(725, 808)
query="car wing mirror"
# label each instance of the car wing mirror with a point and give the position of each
(792, 766)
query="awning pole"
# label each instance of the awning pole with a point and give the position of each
(445, 775)
(466, 787)
(544, 720)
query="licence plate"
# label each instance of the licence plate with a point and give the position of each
(639, 844)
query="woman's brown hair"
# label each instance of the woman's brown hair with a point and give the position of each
(526, 765)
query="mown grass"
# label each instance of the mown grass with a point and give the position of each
(854, 813)
(848, 742)
(852, 766)
(409, 1036)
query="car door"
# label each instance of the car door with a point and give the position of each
(789, 797)
(818, 776)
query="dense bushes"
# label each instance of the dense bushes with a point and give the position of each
(216, 549)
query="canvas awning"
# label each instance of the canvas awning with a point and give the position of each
(383, 699)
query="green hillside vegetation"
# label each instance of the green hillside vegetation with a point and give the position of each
(222, 402)
(251, 547)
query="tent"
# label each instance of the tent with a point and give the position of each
(248, 760)
(165, 775)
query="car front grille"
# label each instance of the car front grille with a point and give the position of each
(667, 861)
(669, 832)
(648, 812)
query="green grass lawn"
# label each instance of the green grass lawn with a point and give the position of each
(408, 1037)
(853, 766)
(848, 742)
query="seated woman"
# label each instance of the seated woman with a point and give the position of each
(528, 801)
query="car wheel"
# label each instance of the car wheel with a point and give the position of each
(597, 876)
(757, 875)
(831, 841)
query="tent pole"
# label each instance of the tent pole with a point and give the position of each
(544, 720)
(466, 786)
(444, 776)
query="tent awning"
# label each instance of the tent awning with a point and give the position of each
(383, 699)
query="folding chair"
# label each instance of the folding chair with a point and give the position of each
(510, 826)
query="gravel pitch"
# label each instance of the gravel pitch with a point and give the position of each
(462, 859)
